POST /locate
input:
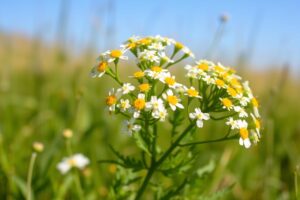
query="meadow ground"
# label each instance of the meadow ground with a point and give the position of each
(44, 91)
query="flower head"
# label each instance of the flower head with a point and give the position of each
(75, 161)
(199, 116)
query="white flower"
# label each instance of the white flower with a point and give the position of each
(208, 79)
(169, 80)
(156, 46)
(116, 54)
(245, 142)
(155, 103)
(242, 124)
(199, 116)
(244, 100)
(149, 55)
(129, 127)
(124, 105)
(188, 52)
(232, 123)
(172, 100)
(78, 161)
(156, 72)
(139, 104)
(164, 57)
(126, 88)
(241, 111)
(160, 113)
(193, 71)
(100, 68)
(111, 99)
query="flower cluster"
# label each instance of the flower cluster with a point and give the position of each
(154, 93)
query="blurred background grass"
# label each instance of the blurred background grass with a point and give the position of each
(45, 88)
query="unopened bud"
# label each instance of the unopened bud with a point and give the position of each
(38, 147)
(68, 133)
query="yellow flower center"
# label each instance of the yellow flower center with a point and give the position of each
(111, 100)
(219, 69)
(231, 92)
(139, 104)
(244, 133)
(102, 66)
(72, 162)
(156, 69)
(170, 81)
(254, 102)
(131, 45)
(178, 45)
(192, 92)
(144, 87)
(235, 83)
(139, 74)
(203, 66)
(220, 82)
(172, 100)
(116, 53)
(226, 102)
(145, 41)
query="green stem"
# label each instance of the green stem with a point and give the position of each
(78, 186)
(296, 183)
(155, 165)
(29, 176)
(210, 141)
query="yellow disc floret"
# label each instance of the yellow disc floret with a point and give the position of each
(138, 74)
(170, 81)
(139, 104)
(156, 68)
(220, 83)
(227, 102)
(144, 87)
(116, 53)
(254, 102)
(102, 66)
(203, 66)
(111, 100)
(172, 100)
(232, 92)
(244, 133)
(192, 92)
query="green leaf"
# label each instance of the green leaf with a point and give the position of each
(207, 168)
(141, 143)
(128, 162)
(21, 184)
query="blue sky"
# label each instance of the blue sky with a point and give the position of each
(270, 28)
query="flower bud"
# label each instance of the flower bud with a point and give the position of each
(68, 133)
(38, 147)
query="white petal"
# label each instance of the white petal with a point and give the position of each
(241, 141)
(247, 143)
(200, 123)
(63, 167)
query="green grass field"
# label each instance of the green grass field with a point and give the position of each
(44, 92)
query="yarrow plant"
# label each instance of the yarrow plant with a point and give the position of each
(211, 92)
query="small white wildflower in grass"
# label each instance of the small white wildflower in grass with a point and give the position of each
(129, 127)
(169, 80)
(199, 116)
(232, 123)
(173, 100)
(126, 88)
(139, 104)
(75, 161)
(124, 105)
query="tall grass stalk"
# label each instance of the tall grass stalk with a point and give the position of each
(29, 176)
